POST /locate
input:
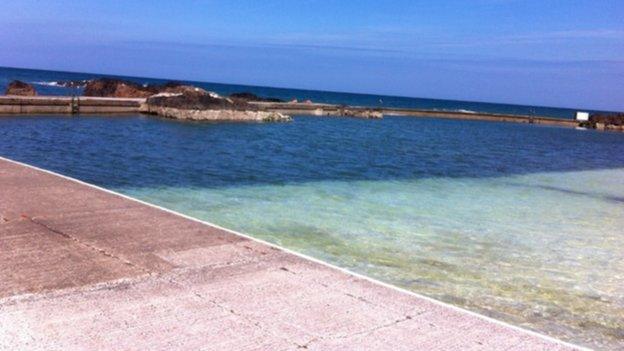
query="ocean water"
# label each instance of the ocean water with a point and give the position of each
(46, 83)
(522, 223)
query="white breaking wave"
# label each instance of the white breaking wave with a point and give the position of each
(465, 111)
(51, 84)
(62, 84)
(456, 110)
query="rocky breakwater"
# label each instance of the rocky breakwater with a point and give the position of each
(614, 122)
(184, 102)
(116, 88)
(315, 109)
(19, 88)
(360, 112)
(190, 103)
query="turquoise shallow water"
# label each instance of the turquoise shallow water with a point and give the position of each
(533, 250)
(522, 223)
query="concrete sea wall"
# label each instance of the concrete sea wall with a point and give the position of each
(67, 104)
(367, 112)
(87, 105)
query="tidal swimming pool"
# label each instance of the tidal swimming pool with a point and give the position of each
(518, 222)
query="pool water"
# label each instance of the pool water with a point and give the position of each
(521, 223)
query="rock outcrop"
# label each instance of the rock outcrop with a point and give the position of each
(106, 87)
(605, 122)
(20, 88)
(219, 115)
(194, 100)
(179, 88)
(360, 112)
(199, 105)
(246, 96)
(370, 114)
(185, 102)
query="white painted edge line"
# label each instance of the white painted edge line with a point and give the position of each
(309, 258)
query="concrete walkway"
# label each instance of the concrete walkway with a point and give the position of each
(85, 269)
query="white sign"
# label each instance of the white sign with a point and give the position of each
(582, 116)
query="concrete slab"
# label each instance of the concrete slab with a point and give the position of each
(34, 258)
(82, 268)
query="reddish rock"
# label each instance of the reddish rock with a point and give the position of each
(614, 121)
(106, 87)
(20, 88)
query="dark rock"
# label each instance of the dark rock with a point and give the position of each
(194, 100)
(199, 105)
(613, 121)
(246, 96)
(106, 87)
(20, 88)
(616, 119)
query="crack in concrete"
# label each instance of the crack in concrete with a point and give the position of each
(83, 289)
(255, 323)
(359, 298)
(360, 333)
(172, 280)
(89, 246)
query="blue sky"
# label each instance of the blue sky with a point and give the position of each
(548, 52)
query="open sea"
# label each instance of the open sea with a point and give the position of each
(46, 83)
(519, 222)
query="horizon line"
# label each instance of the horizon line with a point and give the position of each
(313, 90)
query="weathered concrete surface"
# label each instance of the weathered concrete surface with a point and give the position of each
(366, 112)
(219, 115)
(83, 269)
(67, 104)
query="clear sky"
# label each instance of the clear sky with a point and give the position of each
(547, 52)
